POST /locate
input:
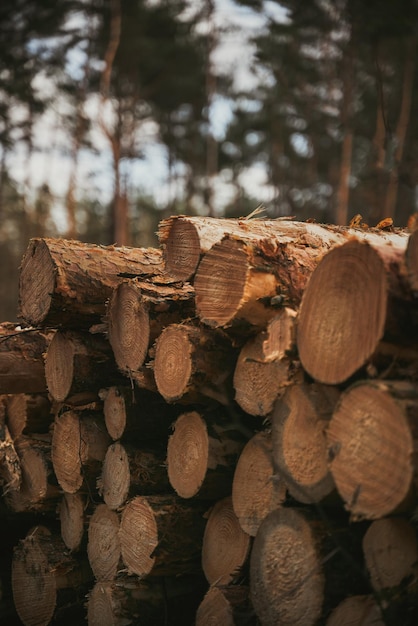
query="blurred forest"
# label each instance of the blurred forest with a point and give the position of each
(325, 121)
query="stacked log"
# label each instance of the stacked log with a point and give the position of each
(222, 430)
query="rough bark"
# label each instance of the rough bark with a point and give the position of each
(161, 536)
(10, 470)
(129, 471)
(193, 363)
(226, 546)
(45, 577)
(264, 367)
(371, 443)
(256, 489)
(201, 456)
(227, 605)
(103, 546)
(356, 295)
(358, 610)
(136, 414)
(256, 275)
(66, 283)
(299, 421)
(137, 313)
(77, 366)
(28, 413)
(22, 367)
(79, 445)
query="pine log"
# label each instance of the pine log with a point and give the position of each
(227, 605)
(73, 519)
(137, 313)
(264, 367)
(45, 577)
(38, 479)
(184, 239)
(66, 283)
(103, 546)
(77, 366)
(299, 421)
(358, 611)
(357, 294)
(136, 414)
(371, 443)
(22, 367)
(10, 470)
(301, 566)
(246, 279)
(226, 546)
(192, 363)
(256, 489)
(152, 602)
(129, 471)
(201, 456)
(79, 445)
(391, 555)
(161, 536)
(28, 413)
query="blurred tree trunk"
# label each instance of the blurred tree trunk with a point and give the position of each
(343, 192)
(211, 85)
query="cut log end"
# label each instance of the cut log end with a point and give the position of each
(181, 250)
(358, 610)
(343, 312)
(129, 327)
(225, 545)
(37, 281)
(370, 447)
(287, 584)
(114, 409)
(59, 366)
(71, 514)
(138, 536)
(103, 548)
(220, 604)
(115, 477)
(173, 366)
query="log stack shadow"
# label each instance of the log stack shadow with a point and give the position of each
(219, 431)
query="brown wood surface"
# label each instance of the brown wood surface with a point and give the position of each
(28, 413)
(227, 605)
(358, 610)
(103, 546)
(66, 282)
(73, 510)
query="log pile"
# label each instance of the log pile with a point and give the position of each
(222, 430)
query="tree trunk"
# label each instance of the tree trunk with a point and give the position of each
(256, 489)
(264, 368)
(22, 367)
(77, 365)
(79, 445)
(185, 239)
(161, 536)
(255, 276)
(299, 421)
(226, 546)
(45, 577)
(371, 442)
(103, 547)
(67, 283)
(192, 363)
(334, 340)
(137, 313)
(129, 471)
(201, 456)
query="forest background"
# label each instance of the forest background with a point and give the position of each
(117, 113)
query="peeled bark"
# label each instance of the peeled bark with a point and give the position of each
(226, 546)
(103, 547)
(256, 275)
(28, 413)
(79, 445)
(227, 605)
(391, 555)
(45, 577)
(22, 367)
(66, 283)
(300, 454)
(201, 456)
(371, 443)
(161, 536)
(256, 489)
(73, 519)
(77, 365)
(358, 610)
(128, 471)
(264, 368)
(137, 313)
(192, 363)
(356, 294)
